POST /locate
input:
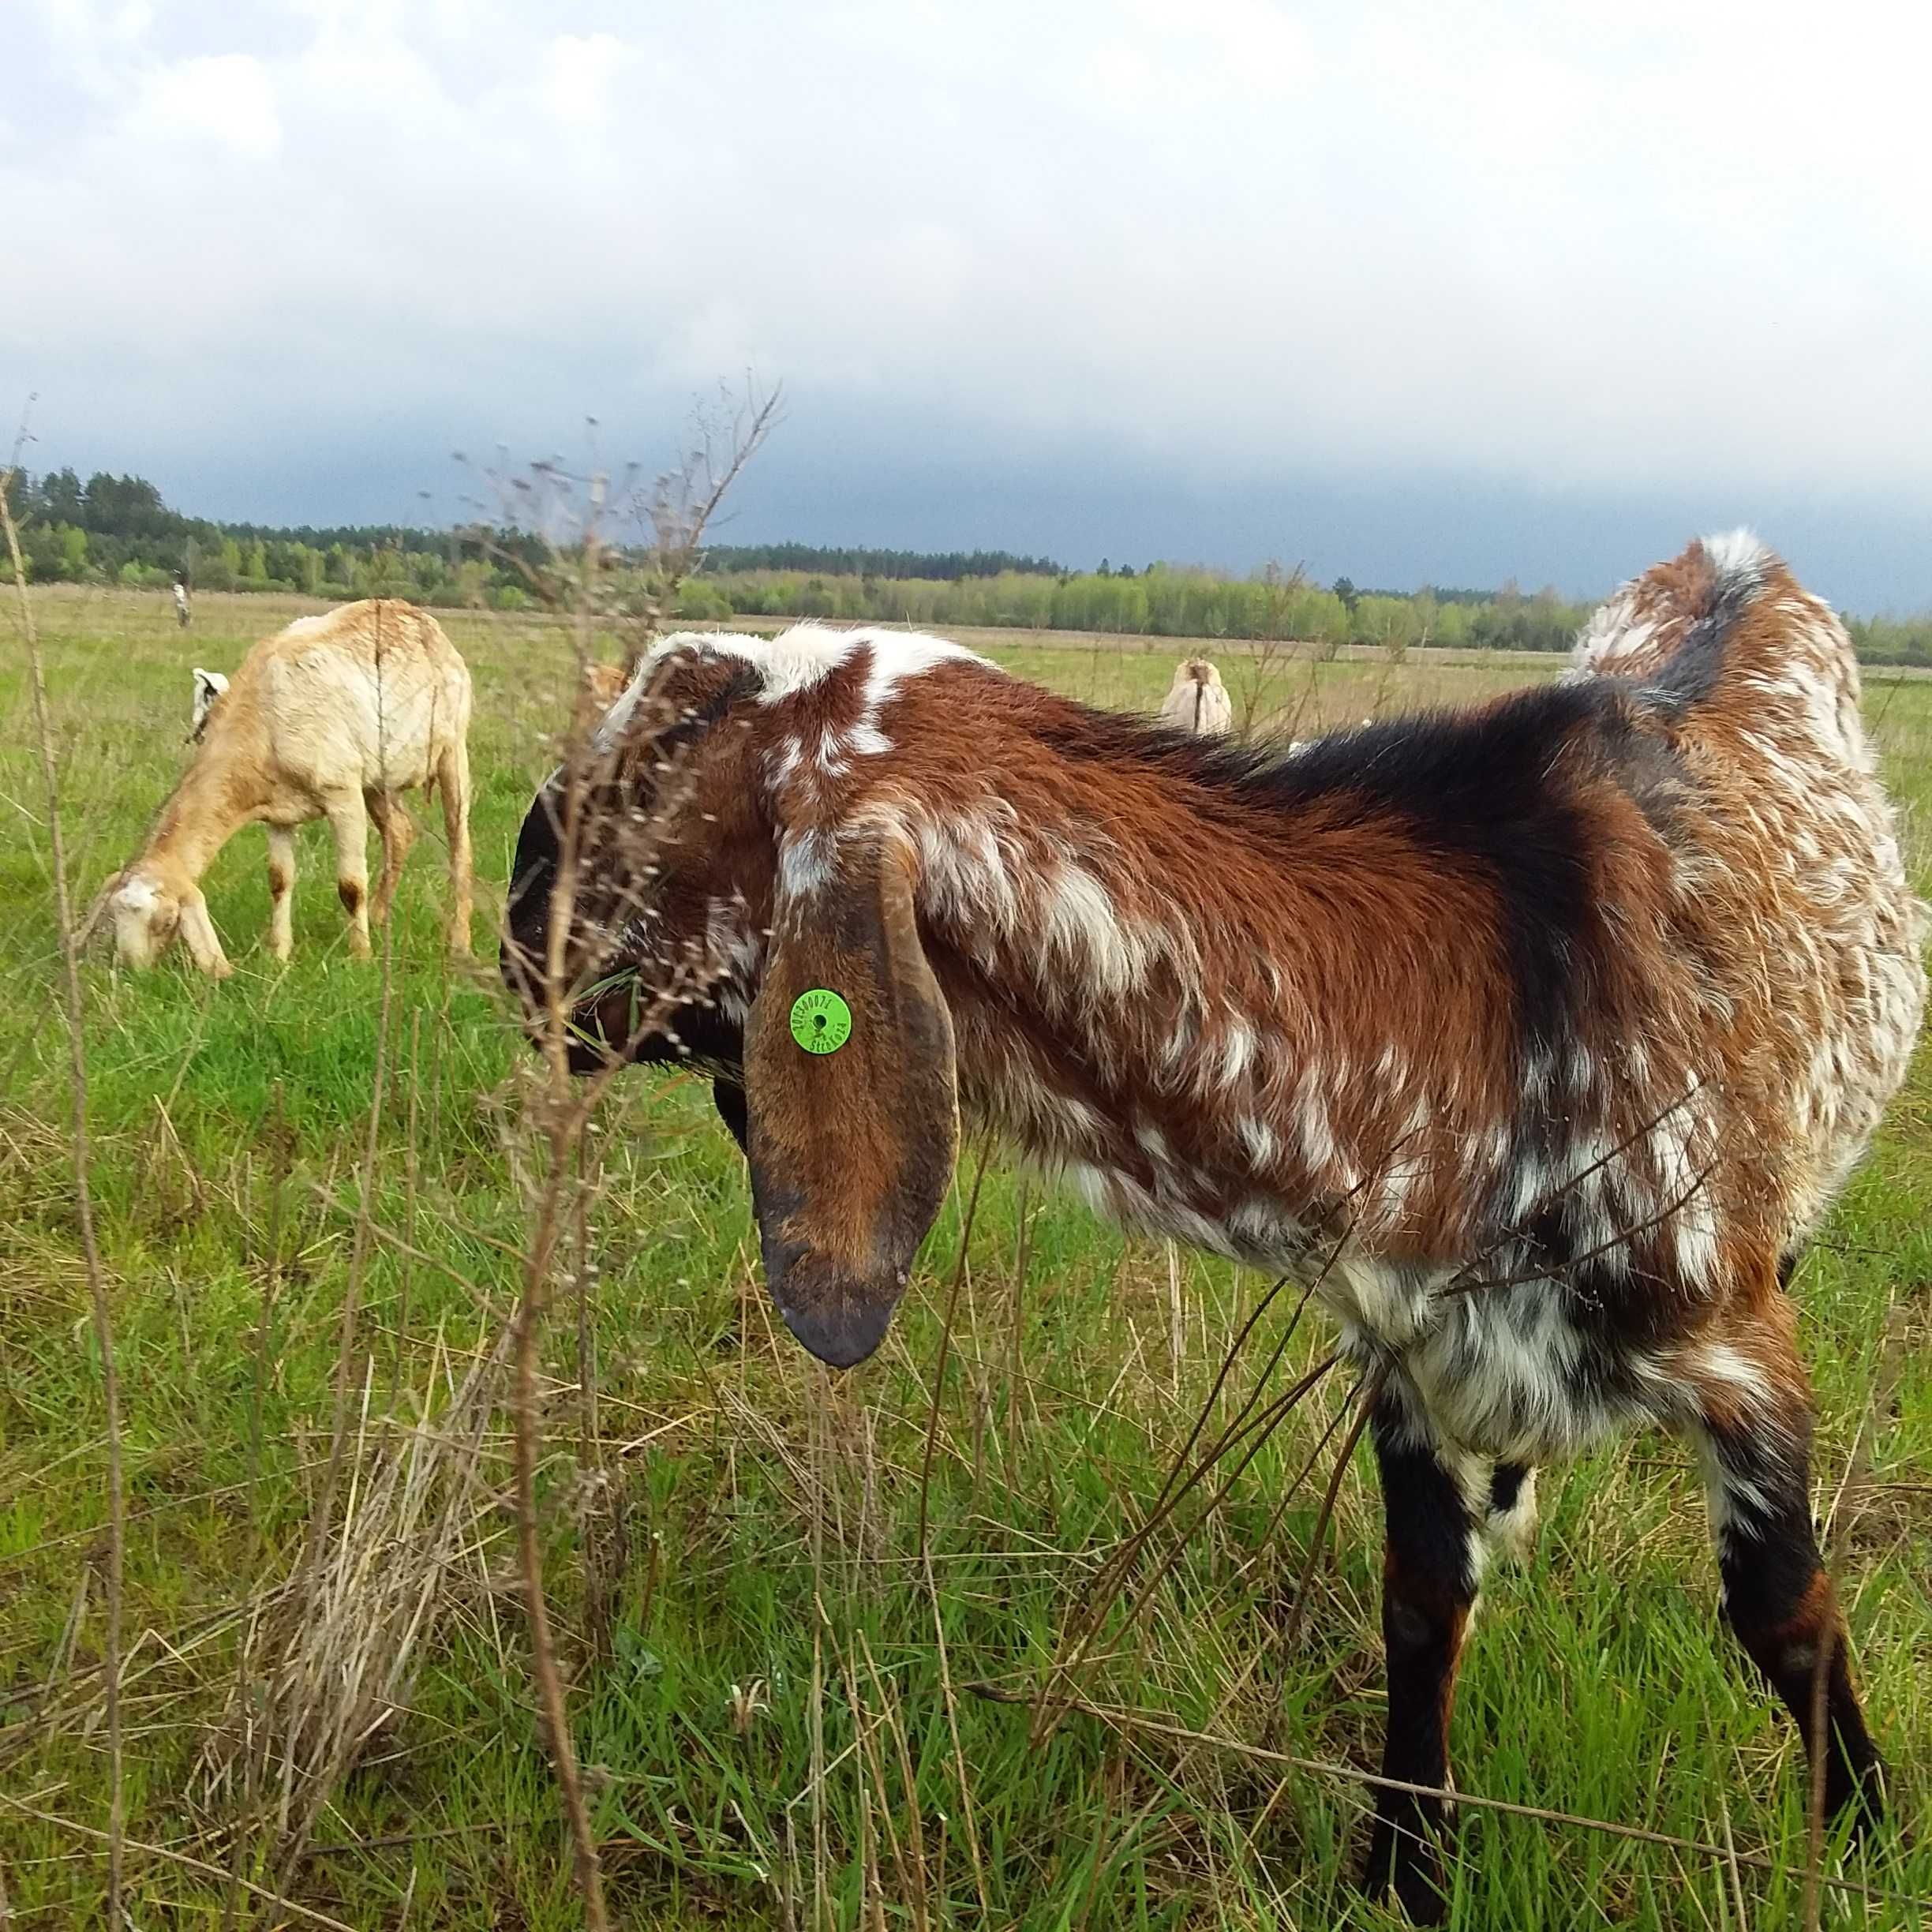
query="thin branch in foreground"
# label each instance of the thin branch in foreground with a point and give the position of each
(1128, 1721)
(83, 1201)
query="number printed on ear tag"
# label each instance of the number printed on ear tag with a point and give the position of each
(822, 1022)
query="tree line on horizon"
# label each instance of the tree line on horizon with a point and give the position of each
(118, 529)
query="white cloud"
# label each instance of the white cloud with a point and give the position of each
(223, 101)
(89, 40)
(1658, 247)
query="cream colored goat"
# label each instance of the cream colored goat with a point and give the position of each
(605, 683)
(333, 717)
(1197, 701)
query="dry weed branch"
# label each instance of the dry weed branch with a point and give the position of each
(84, 1196)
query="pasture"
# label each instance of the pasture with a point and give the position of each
(792, 1612)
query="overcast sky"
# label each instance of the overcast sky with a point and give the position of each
(1411, 292)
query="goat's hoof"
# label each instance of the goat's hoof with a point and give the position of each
(1412, 1871)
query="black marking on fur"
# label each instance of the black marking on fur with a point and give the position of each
(1506, 1482)
(1696, 667)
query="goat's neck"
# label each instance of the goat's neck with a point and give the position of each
(212, 803)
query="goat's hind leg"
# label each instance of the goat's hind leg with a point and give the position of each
(1777, 1597)
(1431, 1563)
(398, 832)
(453, 782)
(349, 823)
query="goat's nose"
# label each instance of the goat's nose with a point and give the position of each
(843, 1337)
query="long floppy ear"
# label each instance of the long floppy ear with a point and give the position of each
(853, 1130)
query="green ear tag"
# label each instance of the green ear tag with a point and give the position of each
(821, 1021)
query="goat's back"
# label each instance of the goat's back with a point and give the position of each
(1197, 701)
(371, 693)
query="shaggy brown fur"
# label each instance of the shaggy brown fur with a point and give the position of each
(1539, 1035)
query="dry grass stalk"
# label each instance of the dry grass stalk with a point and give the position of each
(333, 1656)
(321, 1520)
(70, 939)
(677, 508)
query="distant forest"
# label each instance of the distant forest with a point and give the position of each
(118, 530)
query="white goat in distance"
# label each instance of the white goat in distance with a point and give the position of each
(1197, 701)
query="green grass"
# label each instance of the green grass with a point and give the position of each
(778, 1730)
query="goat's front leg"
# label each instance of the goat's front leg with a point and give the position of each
(280, 890)
(348, 821)
(1428, 1587)
(1777, 1597)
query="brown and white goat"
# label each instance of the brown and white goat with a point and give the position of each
(1197, 701)
(332, 718)
(1539, 1035)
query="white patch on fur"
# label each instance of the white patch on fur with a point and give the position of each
(1718, 1361)
(1611, 635)
(729, 941)
(1259, 1141)
(1393, 1304)
(1237, 1052)
(1728, 1498)
(966, 880)
(899, 655)
(1082, 929)
(806, 860)
(1737, 555)
(1496, 1372)
(302, 626)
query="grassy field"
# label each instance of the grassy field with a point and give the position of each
(782, 1704)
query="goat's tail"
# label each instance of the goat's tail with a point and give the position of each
(1721, 632)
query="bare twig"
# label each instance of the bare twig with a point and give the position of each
(84, 1198)
(1133, 1720)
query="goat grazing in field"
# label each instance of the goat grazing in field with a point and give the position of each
(208, 686)
(332, 718)
(1538, 1036)
(1197, 701)
(605, 682)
